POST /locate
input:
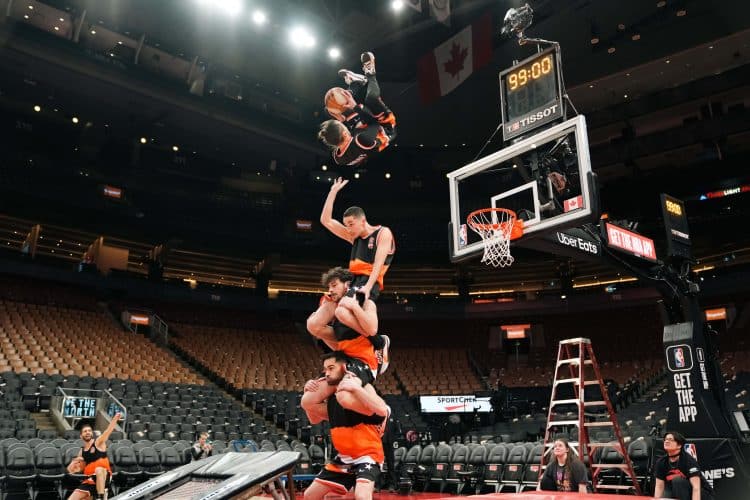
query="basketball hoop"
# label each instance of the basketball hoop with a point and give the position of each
(497, 227)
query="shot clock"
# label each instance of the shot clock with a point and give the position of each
(530, 93)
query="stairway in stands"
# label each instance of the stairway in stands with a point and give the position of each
(44, 421)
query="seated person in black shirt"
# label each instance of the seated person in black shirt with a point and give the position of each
(678, 474)
(565, 472)
(202, 448)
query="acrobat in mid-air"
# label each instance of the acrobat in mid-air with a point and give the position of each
(362, 125)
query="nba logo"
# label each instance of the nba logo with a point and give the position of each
(462, 236)
(679, 358)
(690, 449)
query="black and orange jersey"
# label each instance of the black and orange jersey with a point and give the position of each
(355, 345)
(93, 458)
(361, 117)
(355, 436)
(363, 255)
(364, 143)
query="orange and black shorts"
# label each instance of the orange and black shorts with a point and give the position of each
(340, 478)
(89, 485)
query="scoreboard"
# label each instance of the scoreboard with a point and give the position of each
(531, 93)
(676, 226)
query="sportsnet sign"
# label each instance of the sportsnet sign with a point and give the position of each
(454, 404)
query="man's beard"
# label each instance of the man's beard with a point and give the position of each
(331, 381)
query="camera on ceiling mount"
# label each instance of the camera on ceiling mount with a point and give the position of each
(517, 20)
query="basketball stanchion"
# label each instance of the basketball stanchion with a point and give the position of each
(497, 227)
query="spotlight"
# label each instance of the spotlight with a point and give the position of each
(612, 49)
(175, 148)
(93, 32)
(635, 37)
(74, 119)
(324, 168)
(397, 5)
(144, 140)
(387, 175)
(231, 7)
(334, 53)
(300, 37)
(681, 13)
(356, 175)
(259, 17)
(37, 108)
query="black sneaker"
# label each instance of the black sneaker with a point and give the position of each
(368, 63)
(351, 76)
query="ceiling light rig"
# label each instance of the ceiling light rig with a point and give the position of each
(300, 37)
(259, 17)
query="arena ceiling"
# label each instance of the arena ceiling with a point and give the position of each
(192, 29)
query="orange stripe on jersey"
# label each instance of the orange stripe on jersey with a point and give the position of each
(360, 267)
(361, 440)
(389, 119)
(383, 138)
(335, 468)
(360, 348)
(90, 468)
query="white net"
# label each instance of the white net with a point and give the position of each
(494, 227)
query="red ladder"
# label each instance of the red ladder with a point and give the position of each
(576, 355)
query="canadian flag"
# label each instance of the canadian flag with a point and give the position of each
(453, 61)
(573, 204)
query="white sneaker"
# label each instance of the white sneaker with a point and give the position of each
(351, 76)
(368, 63)
(383, 355)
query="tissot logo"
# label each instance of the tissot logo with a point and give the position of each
(535, 117)
(579, 243)
(527, 120)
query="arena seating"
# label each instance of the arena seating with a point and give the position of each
(435, 371)
(57, 340)
(249, 358)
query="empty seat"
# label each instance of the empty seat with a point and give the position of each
(20, 472)
(150, 461)
(493, 470)
(170, 458)
(50, 470)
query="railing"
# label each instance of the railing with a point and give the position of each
(76, 405)
(159, 331)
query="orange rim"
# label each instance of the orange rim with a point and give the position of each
(515, 232)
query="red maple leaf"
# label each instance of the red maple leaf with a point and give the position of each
(456, 63)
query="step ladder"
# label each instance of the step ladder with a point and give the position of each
(577, 368)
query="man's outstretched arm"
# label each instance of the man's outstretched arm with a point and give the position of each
(326, 216)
